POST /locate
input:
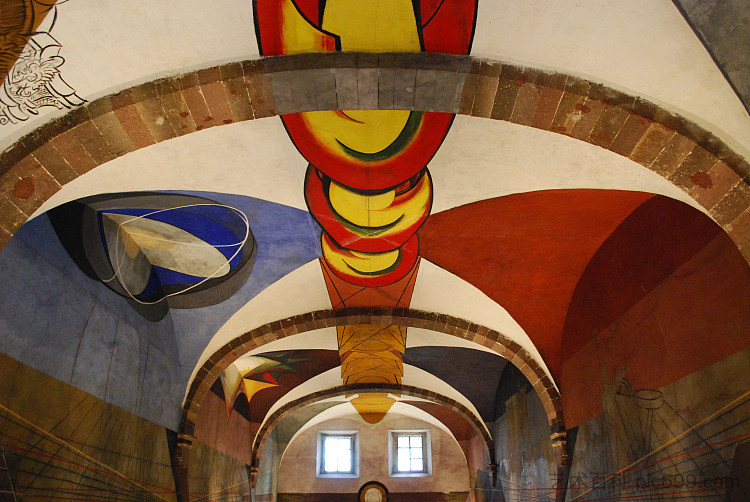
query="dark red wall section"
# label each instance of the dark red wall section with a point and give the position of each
(666, 295)
(526, 251)
(606, 284)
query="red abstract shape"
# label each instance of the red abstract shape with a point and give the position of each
(378, 175)
(449, 28)
(446, 26)
(527, 251)
(666, 295)
(345, 235)
(269, 17)
(269, 378)
(311, 10)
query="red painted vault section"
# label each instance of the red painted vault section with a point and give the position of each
(527, 251)
(607, 284)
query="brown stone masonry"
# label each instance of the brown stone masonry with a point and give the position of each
(687, 155)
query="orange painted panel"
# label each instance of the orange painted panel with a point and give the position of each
(527, 251)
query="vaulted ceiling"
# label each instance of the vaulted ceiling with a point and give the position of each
(245, 209)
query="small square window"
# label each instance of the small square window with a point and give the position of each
(338, 454)
(410, 453)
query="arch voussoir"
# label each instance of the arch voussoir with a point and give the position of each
(687, 155)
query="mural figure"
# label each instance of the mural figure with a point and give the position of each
(158, 250)
(253, 383)
(249, 374)
(30, 62)
(656, 452)
(367, 183)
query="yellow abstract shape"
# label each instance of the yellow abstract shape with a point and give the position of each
(251, 387)
(133, 240)
(358, 263)
(371, 353)
(299, 35)
(361, 209)
(373, 25)
(382, 209)
(231, 379)
(366, 131)
(372, 407)
(234, 382)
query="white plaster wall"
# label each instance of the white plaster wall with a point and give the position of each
(643, 47)
(109, 45)
(297, 469)
(412, 376)
(325, 338)
(257, 158)
(418, 337)
(254, 158)
(514, 159)
(324, 381)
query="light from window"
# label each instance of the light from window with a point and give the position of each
(337, 454)
(410, 453)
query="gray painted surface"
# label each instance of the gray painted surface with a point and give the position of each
(398, 87)
(724, 28)
(688, 438)
(56, 320)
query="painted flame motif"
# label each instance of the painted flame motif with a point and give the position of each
(368, 185)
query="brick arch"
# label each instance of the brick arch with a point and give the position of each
(441, 323)
(36, 166)
(275, 419)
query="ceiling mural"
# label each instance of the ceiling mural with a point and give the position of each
(297, 26)
(255, 271)
(557, 230)
(249, 376)
(604, 262)
(67, 255)
(368, 187)
(30, 61)
(159, 250)
(367, 184)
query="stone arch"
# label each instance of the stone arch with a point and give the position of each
(39, 164)
(442, 323)
(497, 342)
